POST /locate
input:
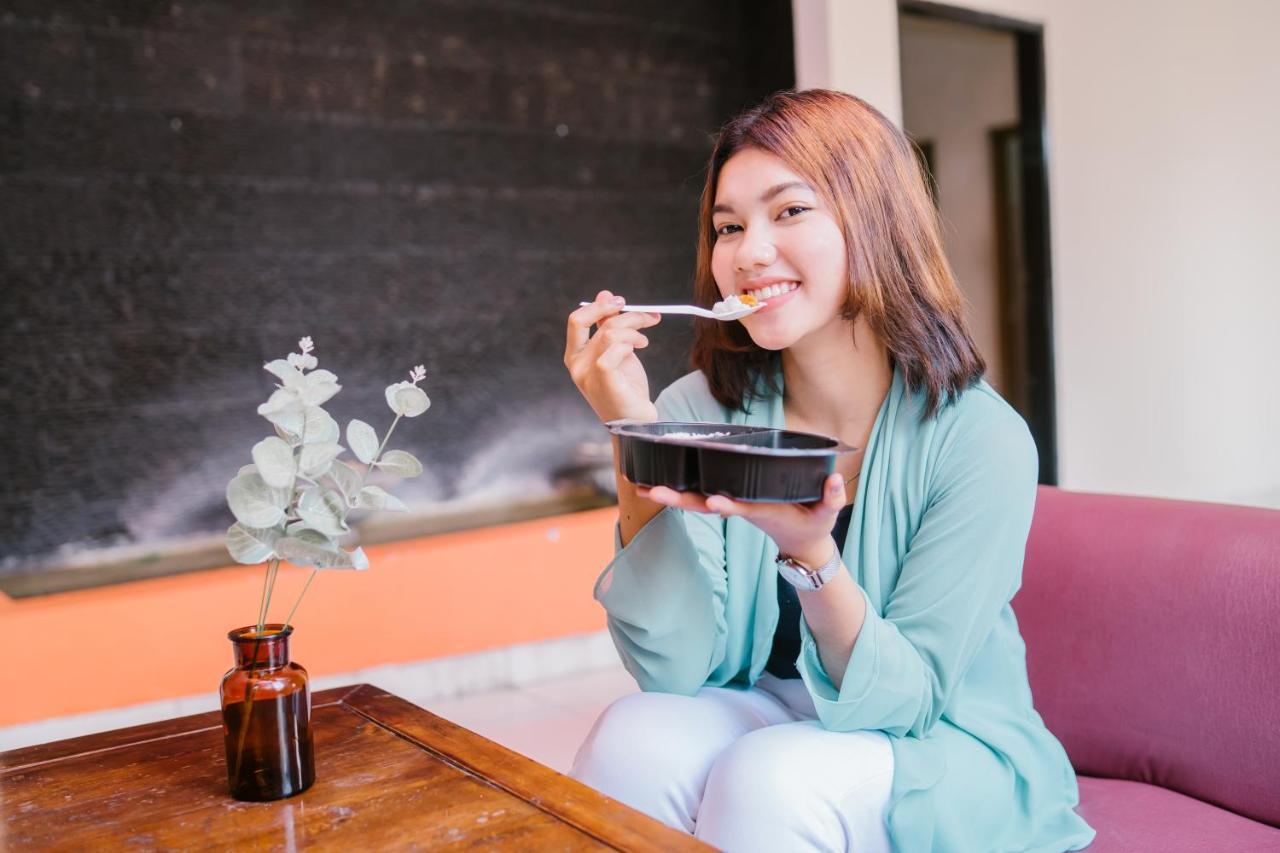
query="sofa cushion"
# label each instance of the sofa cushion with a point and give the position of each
(1153, 642)
(1133, 817)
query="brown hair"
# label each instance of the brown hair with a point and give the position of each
(866, 171)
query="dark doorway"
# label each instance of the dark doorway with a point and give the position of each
(973, 100)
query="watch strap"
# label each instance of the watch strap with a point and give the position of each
(804, 578)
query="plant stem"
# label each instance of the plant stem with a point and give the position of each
(381, 447)
(266, 583)
(270, 587)
(270, 584)
(289, 620)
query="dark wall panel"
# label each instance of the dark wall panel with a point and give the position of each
(188, 188)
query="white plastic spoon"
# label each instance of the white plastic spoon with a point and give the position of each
(690, 309)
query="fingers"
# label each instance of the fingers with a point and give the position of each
(622, 343)
(604, 312)
(670, 497)
(581, 320)
(631, 320)
(833, 494)
(832, 500)
(613, 357)
(622, 335)
(761, 514)
(695, 502)
(724, 506)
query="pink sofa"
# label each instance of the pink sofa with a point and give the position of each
(1153, 648)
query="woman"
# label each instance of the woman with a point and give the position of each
(846, 674)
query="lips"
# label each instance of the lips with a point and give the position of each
(772, 290)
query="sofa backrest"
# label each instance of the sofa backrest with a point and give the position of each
(1153, 642)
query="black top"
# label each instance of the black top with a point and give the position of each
(786, 637)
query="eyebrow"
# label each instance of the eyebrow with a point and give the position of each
(768, 194)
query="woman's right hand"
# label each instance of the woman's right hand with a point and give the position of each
(604, 366)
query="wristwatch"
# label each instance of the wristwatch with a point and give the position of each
(804, 578)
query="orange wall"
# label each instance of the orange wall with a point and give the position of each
(445, 595)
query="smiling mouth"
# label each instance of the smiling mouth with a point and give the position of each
(772, 291)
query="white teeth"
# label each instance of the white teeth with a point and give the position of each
(774, 290)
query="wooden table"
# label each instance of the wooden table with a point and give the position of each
(388, 775)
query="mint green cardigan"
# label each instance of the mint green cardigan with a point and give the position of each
(936, 544)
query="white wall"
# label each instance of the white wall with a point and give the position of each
(1164, 184)
(854, 42)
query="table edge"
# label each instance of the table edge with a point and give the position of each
(597, 816)
(591, 812)
(36, 755)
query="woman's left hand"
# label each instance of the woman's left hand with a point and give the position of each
(801, 531)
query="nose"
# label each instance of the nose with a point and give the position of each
(755, 250)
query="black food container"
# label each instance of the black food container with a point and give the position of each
(745, 463)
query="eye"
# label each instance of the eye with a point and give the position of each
(725, 230)
(792, 211)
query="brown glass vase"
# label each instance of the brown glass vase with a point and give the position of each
(266, 717)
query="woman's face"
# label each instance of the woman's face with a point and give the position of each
(777, 240)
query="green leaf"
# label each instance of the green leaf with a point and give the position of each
(373, 497)
(251, 545)
(288, 375)
(315, 537)
(348, 481)
(292, 439)
(407, 399)
(362, 440)
(400, 463)
(283, 408)
(302, 553)
(318, 427)
(299, 530)
(254, 503)
(316, 458)
(318, 386)
(320, 377)
(275, 462)
(247, 469)
(325, 510)
(302, 362)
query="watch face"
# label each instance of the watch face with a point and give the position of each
(797, 575)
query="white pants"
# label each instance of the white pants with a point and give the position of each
(743, 769)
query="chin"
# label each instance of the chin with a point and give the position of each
(774, 340)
